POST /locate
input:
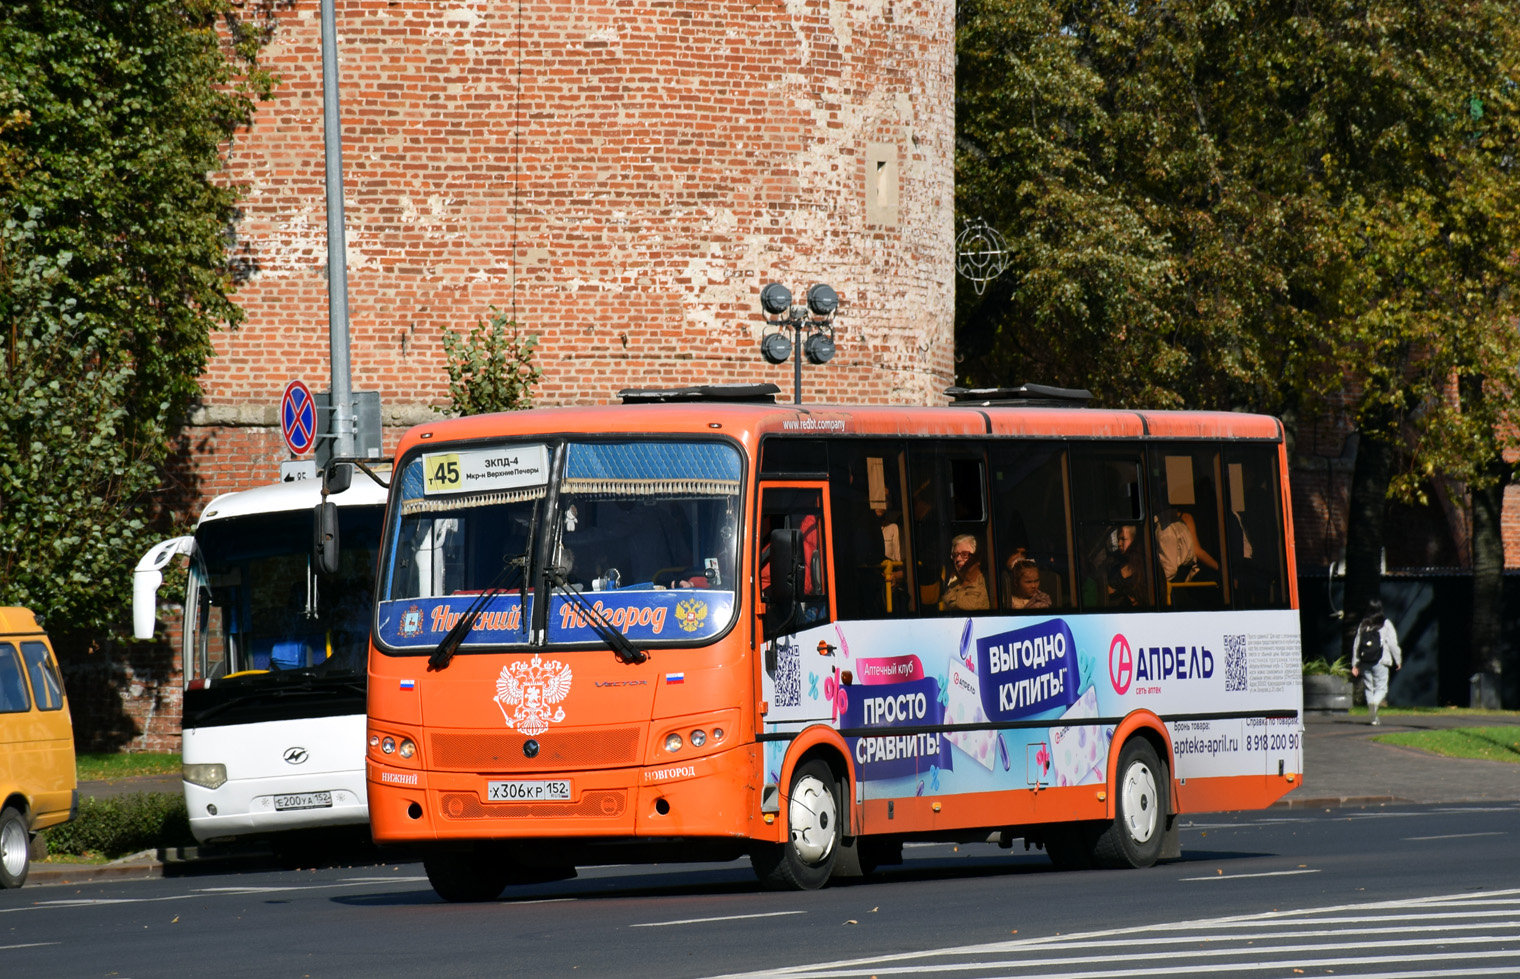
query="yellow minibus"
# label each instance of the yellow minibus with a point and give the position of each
(36, 743)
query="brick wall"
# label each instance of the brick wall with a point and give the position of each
(124, 696)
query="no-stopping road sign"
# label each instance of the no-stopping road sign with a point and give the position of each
(298, 418)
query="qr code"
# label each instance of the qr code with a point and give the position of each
(788, 675)
(1234, 663)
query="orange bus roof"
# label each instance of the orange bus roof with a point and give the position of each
(748, 420)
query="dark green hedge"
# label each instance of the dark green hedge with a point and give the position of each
(115, 827)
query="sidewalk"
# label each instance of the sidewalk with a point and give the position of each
(1343, 766)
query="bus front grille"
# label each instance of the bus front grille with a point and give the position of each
(467, 805)
(557, 750)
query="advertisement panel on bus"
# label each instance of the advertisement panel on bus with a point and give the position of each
(948, 706)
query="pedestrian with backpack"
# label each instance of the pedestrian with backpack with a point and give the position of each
(1375, 654)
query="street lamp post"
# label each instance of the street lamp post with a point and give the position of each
(817, 317)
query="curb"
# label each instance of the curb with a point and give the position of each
(183, 861)
(1335, 802)
(43, 875)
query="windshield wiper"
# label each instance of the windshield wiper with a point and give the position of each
(451, 642)
(621, 647)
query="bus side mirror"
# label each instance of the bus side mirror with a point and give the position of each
(324, 550)
(146, 578)
(786, 578)
(337, 477)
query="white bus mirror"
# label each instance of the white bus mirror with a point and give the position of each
(146, 578)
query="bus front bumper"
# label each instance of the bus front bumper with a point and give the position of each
(711, 796)
(253, 807)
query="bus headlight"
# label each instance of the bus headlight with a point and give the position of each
(206, 776)
(672, 742)
(698, 738)
(393, 748)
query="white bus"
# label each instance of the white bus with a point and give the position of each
(274, 662)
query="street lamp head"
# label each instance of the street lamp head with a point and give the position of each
(822, 300)
(775, 348)
(819, 348)
(775, 299)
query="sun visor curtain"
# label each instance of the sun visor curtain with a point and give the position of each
(652, 468)
(605, 468)
(467, 501)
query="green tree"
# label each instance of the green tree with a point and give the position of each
(491, 369)
(113, 273)
(1298, 205)
(1143, 260)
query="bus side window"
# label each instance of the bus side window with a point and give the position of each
(47, 686)
(1113, 545)
(1031, 523)
(799, 510)
(1188, 525)
(868, 545)
(13, 697)
(1253, 527)
(949, 519)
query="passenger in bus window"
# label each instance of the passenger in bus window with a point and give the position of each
(892, 559)
(1121, 568)
(1178, 549)
(1026, 586)
(967, 588)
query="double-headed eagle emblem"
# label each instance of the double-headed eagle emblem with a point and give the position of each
(691, 614)
(530, 688)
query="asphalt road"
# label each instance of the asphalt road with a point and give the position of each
(1380, 890)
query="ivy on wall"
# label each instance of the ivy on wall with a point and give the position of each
(114, 244)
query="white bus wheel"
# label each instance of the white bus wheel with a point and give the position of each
(814, 831)
(1135, 836)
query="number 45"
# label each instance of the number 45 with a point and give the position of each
(446, 472)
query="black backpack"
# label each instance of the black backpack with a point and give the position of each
(1369, 646)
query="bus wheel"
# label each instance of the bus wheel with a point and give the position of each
(1134, 838)
(466, 876)
(15, 848)
(805, 861)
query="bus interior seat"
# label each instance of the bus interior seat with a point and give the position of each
(1053, 584)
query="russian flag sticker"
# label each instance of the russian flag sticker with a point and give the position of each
(675, 678)
(408, 684)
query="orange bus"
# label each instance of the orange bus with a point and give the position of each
(702, 625)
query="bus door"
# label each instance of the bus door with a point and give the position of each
(794, 603)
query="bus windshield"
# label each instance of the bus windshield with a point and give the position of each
(641, 533)
(260, 606)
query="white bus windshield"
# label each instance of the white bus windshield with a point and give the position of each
(645, 531)
(260, 605)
